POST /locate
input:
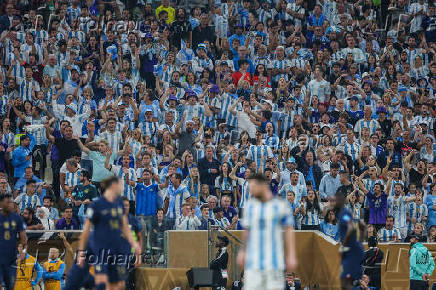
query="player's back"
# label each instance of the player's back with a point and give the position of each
(107, 220)
(10, 226)
(265, 222)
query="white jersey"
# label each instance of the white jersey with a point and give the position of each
(114, 139)
(245, 191)
(397, 207)
(129, 190)
(265, 222)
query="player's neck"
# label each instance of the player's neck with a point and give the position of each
(110, 196)
(265, 197)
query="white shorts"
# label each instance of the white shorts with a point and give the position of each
(265, 280)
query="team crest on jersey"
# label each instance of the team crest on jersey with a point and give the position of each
(114, 212)
(6, 225)
(13, 224)
(120, 211)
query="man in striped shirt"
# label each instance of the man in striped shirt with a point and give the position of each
(28, 199)
(270, 246)
(397, 207)
(388, 233)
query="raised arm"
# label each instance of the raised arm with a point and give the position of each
(82, 147)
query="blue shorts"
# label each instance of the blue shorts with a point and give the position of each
(78, 277)
(8, 274)
(352, 264)
(113, 267)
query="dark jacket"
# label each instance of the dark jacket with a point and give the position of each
(316, 171)
(219, 264)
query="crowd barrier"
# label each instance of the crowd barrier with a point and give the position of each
(319, 261)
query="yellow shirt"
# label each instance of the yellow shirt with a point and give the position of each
(171, 13)
(24, 273)
(51, 267)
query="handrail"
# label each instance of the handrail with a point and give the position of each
(229, 233)
(52, 231)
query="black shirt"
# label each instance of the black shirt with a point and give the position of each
(416, 177)
(207, 177)
(66, 148)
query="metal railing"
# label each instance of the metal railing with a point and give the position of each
(233, 270)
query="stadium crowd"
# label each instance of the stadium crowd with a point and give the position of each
(183, 101)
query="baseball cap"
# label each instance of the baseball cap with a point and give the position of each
(402, 89)
(381, 109)
(291, 160)
(71, 107)
(173, 98)
(214, 89)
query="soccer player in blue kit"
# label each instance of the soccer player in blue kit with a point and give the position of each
(107, 217)
(11, 227)
(351, 236)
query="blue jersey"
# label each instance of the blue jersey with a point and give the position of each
(146, 199)
(10, 226)
(107, 218)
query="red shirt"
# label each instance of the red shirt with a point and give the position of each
(237, 76)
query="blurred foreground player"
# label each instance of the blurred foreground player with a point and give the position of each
(106, 216)
(270, 242)
(11, 227)
(351, 236)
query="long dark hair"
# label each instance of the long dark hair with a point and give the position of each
(313, 205)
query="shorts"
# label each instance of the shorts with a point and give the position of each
(78, 277)
(113, 268)
(352, 264)
(8, 274)
(264, 279)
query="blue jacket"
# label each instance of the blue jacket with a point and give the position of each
(19, 158)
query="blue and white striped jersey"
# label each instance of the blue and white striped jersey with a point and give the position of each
(149, 129)
(265, 222)
(24, 201)
(114, 139)
(27, 88)
(358, 55)
(272, 141)
(245, 192)
(312, 217)
(319, 88)
(72, 178)
(355, 210)
(257, 151)
(38, 129)
(385, 235)
(177, 197)
(129, 191)
(351, 149)
(397, 207)
(80, 35)
(417, 212)
(40, 36)
(4, 105)
(280, 64)
(372, 125)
